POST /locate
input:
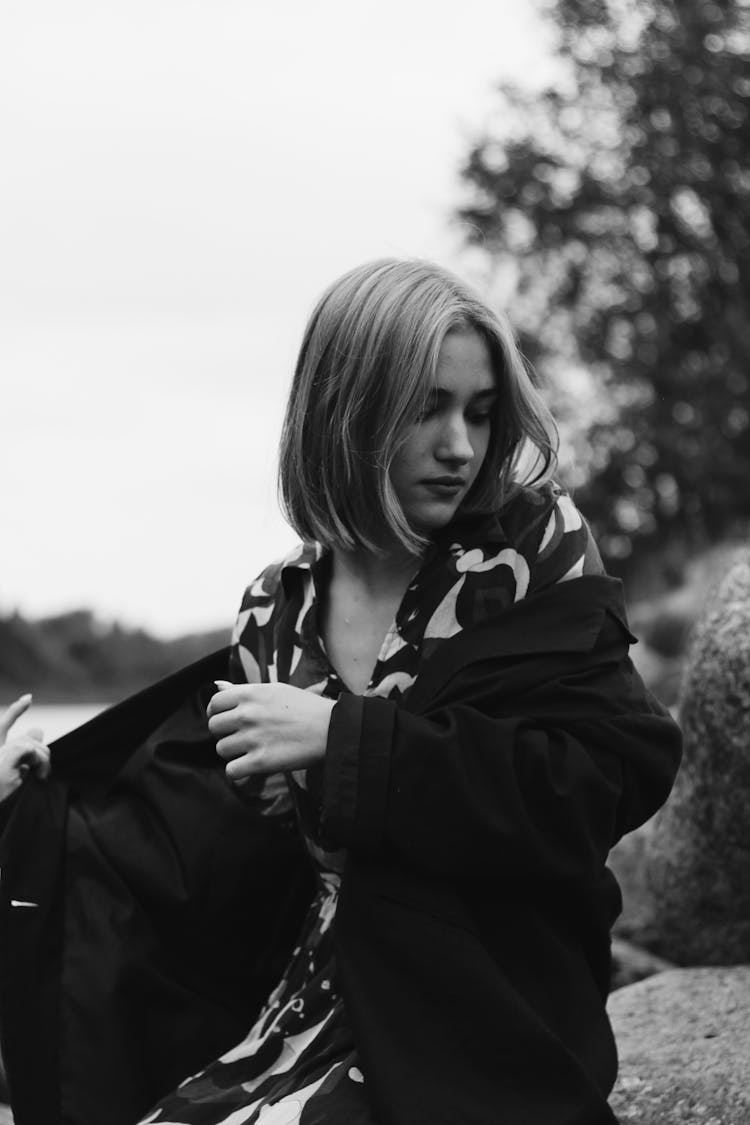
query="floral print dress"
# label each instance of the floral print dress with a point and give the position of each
(298, 1064)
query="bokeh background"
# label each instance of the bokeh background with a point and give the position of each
(181, 178)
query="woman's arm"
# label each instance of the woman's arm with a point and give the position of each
(526, 770)
(529, 767)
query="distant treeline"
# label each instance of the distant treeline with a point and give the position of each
(74, 657)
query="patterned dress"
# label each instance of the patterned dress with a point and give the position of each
(298, 1064)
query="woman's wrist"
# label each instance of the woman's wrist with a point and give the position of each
(322, 726)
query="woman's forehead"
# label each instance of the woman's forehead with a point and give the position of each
(465, 364)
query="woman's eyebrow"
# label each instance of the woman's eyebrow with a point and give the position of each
(444, 393)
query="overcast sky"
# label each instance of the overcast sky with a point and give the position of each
(179, 180)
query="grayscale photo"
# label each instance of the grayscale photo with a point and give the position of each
(375, 567)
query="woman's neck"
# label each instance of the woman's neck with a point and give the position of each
(377, 573)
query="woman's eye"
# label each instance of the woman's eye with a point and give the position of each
(427, 412)
(474, 418)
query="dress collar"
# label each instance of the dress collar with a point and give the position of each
(463, 532)
(302, 559)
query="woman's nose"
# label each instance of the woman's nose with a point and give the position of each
(454, 443)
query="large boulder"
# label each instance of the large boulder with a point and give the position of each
(686, 875)
(682, 1038)
(697, 857)
(639, 920)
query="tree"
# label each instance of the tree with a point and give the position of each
(622, 195)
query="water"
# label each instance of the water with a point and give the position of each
(56, 719)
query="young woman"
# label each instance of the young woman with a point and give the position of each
(434, 688)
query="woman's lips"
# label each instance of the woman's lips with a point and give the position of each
(447, 486)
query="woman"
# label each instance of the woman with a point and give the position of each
(435, 688)
(460, 737)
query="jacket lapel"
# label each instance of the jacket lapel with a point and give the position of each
(568, 617)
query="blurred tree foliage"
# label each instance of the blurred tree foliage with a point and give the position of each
(623, 196)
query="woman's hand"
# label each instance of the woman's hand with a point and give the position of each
(21, 754)
(266, 728)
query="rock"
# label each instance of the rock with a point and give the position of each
(638, 922)
(696, 857)
(682, 1038)
(661, 674)
(631, 963)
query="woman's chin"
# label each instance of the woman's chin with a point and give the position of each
(428, 518)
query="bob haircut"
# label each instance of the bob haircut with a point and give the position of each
(365, 370)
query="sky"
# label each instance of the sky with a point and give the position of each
(180, 180)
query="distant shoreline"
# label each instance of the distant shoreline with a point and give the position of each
(75, 659)
(86, 698)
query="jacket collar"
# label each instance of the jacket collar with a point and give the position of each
(565, 618)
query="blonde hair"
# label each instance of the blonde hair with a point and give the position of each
(365, 369)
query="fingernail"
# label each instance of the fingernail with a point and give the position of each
(222, 685)
(25, 698)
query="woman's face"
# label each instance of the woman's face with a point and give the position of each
(439, 461)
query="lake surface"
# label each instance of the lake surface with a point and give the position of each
(57, 719)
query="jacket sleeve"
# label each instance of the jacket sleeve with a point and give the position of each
(525, 769)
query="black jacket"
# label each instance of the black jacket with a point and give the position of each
(473, 925)
(472, 934)
(165, 910)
